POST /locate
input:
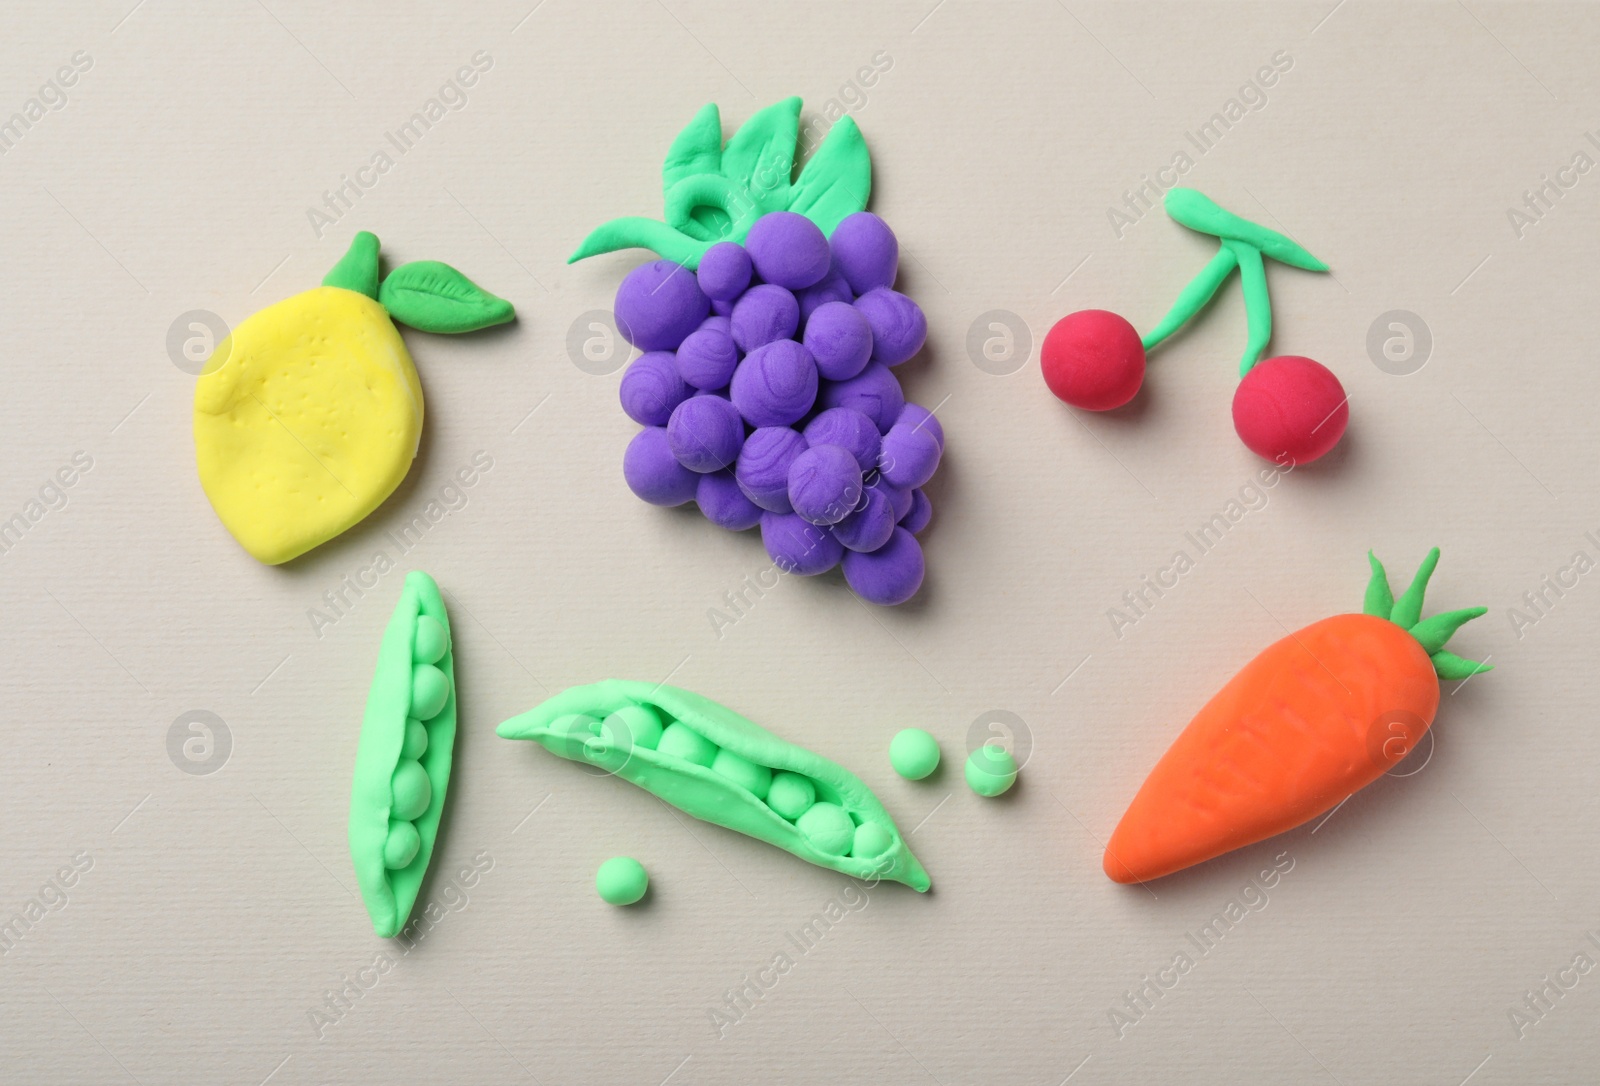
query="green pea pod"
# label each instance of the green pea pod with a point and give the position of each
(712, 763)
(403, 761)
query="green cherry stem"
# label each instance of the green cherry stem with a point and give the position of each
(1194, 297)
(1243, 246)
(1257, 302)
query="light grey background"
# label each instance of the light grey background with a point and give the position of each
(218, 909)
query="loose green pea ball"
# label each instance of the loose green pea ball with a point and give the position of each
(870, 840)
(914, 754)
(753, 778)
(401, 846)
(683, 741)
(430, 689)
(415, 744)
(633, 726)
(432, 642)
(828, 828)
(412, 791)
(791, 794)
(621, 880)
(991, 770)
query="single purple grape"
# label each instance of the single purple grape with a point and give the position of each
(788, 249)
(724, 271)
(763, 314)
(921, 513)
(825, 484)
(865, 252)
(707, 356)
(705, 433)
(889, 575)
(832, 289)
(658, 304)
(839, 337)
(869, 527)
(653, 473)
(776, 384)
(920, 418)
(898, 325)
(763, 466)
(900, 500)
(724, 504)
(651, 388)
(849, 428)
(909, 456)
(798, 546)
(874, 392)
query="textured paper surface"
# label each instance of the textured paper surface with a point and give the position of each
(181, 726)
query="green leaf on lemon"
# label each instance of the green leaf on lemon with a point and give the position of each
(357, 270)
(434, 297)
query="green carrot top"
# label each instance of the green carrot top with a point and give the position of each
(1431, 633)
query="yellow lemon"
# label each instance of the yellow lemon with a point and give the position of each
(308, 415)
(305, 420)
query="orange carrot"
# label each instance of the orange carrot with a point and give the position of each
(1318, 715)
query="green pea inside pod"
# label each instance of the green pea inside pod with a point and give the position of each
(432, 640)
(577, 730)
(430, 689)
(681, 741)
(403, 759)
(412, 790)
(791, 794)
(583, 737)
(869, 840)
(753, 778)
(828, 828)
(720, 767)
(401, 846)
(415, 744)
(633, 726)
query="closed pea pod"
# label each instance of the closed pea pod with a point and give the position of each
(733, 773)
(403, 760)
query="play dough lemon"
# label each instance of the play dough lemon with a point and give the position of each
(308, 416)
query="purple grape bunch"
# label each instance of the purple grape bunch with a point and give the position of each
(767, 395)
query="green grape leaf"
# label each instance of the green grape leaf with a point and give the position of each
(698, 150)
(760, 156)
(434, 297)
(837, 179)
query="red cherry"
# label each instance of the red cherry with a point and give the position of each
(1093, 359)
(1290, 409)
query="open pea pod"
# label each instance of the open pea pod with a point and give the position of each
(712, 763)
(403, 761)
